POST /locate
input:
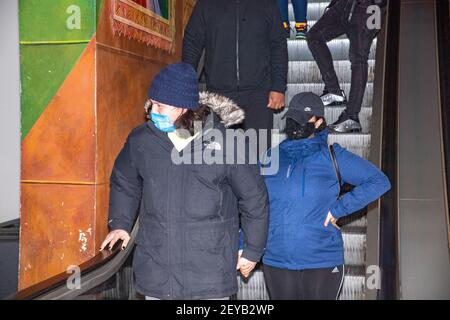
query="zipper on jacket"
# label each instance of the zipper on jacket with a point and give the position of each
(303, 182)
(169, 221)
(238, 78)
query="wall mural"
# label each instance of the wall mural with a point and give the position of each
(148, 21)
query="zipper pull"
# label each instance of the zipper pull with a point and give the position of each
(288, 174)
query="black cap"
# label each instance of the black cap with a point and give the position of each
(304, 106)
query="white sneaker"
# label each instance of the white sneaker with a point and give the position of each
(332, 99)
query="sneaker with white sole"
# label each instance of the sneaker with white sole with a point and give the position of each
(333, 99)
(346, 124)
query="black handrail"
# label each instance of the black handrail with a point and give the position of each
(388, 258)
(93, 273)
(12, 223)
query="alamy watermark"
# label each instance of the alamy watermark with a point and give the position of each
(229, 146)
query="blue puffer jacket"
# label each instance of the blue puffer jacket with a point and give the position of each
(301, 194)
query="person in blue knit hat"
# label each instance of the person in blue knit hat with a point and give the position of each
(187, 244)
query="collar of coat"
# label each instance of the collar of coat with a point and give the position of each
(228, 112)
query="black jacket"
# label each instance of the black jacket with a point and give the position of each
(187, 244)
(245, 44)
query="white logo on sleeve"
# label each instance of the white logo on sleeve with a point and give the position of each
(335, 270)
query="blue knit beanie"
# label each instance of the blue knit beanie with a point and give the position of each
(176, 85)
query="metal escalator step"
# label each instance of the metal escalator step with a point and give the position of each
(253, 288)
(317, 88)
(358, 143)
(354, 221)
(354, 248)
(315, 10)
(308, 71)
(339, 48)
(352, 288)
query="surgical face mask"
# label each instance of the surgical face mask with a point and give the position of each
(162, 122)
(296, 131)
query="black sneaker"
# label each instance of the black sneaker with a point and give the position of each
(333, 99)
(346, 124)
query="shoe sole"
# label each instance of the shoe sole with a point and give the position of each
(348, 131)
(336, 104)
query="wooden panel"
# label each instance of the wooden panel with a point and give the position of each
(57, 230)
(61, 145)
(125, 69)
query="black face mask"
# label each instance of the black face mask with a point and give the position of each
(296, 131)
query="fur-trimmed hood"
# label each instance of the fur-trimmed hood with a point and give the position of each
(226, 109)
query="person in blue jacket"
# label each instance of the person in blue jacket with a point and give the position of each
(304, 256)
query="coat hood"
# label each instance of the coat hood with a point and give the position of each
(228, 112)
(226, 109)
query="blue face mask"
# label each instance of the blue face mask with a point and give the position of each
(162, 122)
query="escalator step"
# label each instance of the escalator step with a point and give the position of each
(354, 248)
(317, 88)
(308, 71)
(358, 143)
(339, 48)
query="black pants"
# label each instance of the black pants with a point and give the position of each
(333, 24)
(312, 284)
(257, 115)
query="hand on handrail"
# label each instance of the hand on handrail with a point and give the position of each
(115, 236)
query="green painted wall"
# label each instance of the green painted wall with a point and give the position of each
(50, 49)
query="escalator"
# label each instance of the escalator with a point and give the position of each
(371, 237)
(304, 76)
(9, 253)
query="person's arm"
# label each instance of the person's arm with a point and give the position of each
(250, 189)
(195, 36)
(278, 50)
(125, 191)
(370, 183)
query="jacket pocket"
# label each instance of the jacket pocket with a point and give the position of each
(150, 236)
(309, 245)
(202, 193)
(149, 261)
(209, 261)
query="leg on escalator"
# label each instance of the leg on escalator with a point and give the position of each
(330, 26)
(361, 38)
(282, 284)
(258, 117)
(300, 11)
(322, 284)
(284, 10)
